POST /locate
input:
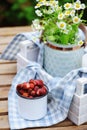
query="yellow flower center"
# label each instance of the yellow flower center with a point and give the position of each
(67, 5)
(38, 5)
(67, 12)
(42, 0)
(81, 42)
(78, 5)
(62, 25)
(76, 19)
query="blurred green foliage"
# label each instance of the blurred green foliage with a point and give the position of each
(21, 12)
(16, 12)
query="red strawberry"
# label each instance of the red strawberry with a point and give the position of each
(39, 82)
(33, 93)
(32, 81)
(26, 85)
(29, 91)
(19, 86)
(39, 92)
(31, 85)
(30, 96)
(25, 94)
(36, 88)
(21, 92)
(44, 90)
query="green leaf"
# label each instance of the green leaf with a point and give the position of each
(64, 38)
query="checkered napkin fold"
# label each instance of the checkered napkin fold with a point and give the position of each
(60, 90)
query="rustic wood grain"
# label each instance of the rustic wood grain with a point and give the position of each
(5, 40)
(6, 79)
(10, 31)
(4, 92)
(2, 47)
(3, 107)
(4, 123)
(6, 61)
(8, 68)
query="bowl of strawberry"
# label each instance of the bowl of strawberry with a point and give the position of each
(32, 99)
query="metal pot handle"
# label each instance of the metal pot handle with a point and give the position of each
(84, 29)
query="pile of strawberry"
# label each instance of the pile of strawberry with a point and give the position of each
(31, 89)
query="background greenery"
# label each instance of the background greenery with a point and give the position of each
(21, 12)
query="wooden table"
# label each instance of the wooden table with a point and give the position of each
(7, 72)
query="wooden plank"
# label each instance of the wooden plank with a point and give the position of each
(6, 79)
(9, 31)
(82, 127)
(4, 92)
(7, 61)
(8, 68)
(4, 40)
(3, 107)
(2, 47)
(4, 123)
(4, 119)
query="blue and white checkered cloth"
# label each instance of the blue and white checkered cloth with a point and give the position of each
(59, 97)
(61, 91)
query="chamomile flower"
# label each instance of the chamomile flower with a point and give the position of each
(54, 4)
(65, 31)
(72, 13)
(61, 25)
(36, 24)
(67, 5)
(38, 6)
(49, 11)
(60, 16)
(36, 21)
(67, 12)
(82, 6)
(80, 42)
(42, 0)
(76, 19)
(38, 12)
(77, 5)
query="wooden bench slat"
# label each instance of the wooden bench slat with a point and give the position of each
(4, 92)
(5, 40)
(4, 123)
(9, 31)
(84, 127)
(2, 48)
(7, 61)
(6, 79)
(8, 68)
(3, 107)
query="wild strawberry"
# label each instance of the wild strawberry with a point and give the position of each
(39, 92)
(39, 82)
(44, 90)
(19, 87)
(32, 81)
(30, 96)
(31, 85)
(36, 88)
(26, 85)
(29, 91)
(21, 92)
(33, 93)
(25, 94)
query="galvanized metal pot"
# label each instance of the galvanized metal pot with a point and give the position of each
(60, 59)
